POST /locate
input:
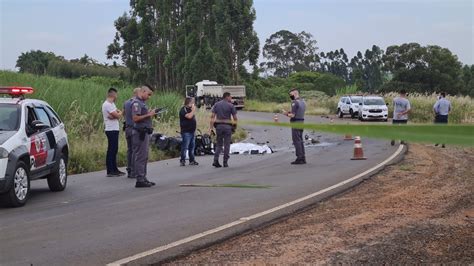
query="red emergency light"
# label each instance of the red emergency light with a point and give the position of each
(16, 91)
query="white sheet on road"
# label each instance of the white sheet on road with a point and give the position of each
(247, 148)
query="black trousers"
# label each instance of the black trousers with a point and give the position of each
(112, 150)
(441, 119)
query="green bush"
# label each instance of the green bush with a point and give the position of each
(265, 91)
(306, 80)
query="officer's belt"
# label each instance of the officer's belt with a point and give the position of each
(143, 129)
(296, 119)
(222, 123)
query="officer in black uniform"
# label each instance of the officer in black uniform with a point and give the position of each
(142, 130)
(298, 108)
(222, 112)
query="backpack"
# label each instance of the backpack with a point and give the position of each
(204, 144)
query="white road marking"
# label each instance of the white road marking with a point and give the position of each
(252, 217)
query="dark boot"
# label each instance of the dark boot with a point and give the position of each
(299, 161)
(143, 184)
(226, 164)
(216, 164)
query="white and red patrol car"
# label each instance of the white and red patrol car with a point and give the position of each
(33, 145)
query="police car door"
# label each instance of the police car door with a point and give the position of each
(42, 141)
(346, 106)
(57, 126)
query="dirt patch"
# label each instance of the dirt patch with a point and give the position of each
(419, 211)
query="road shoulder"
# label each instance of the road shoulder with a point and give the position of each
(418, 211)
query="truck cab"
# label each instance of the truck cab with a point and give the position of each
(207, 93)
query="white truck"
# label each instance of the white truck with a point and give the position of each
(207, 93)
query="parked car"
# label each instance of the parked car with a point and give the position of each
(33, 145)
(373, 108)
(348, 105)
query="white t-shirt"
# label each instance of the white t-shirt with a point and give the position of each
(110, 124)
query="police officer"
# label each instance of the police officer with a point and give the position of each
(222, 112)
(142, 129)
(128, 128)
(296, 115)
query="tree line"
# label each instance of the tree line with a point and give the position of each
(47, 63)
(409, 66)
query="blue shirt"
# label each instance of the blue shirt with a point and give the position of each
(298, 108)
(442, 107)
(139, 108)
(127, 107)
(224, 110)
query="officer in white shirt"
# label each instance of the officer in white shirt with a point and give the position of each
(111, 121)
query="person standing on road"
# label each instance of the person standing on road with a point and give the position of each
(401, 108)
(111, 121)
(441, 108)
(187, 122)
(296, 115)
(142, 129)
(128, 128)
(224, 119)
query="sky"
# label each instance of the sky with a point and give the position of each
(72, 28)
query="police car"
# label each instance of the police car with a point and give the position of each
(348, 105)
(373, 108)
(33, 145)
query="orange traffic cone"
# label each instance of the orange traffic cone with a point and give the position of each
(358, 152)
(348, 137)
(275, 118)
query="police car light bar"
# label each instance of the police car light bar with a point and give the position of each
(16, 91)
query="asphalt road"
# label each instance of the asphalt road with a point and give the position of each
(99, 219)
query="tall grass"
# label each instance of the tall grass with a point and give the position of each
(78, 103)
(421, 107)
(350, 89)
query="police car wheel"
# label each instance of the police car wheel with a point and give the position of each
(20, 191)
(57, 181)
(339, 113)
